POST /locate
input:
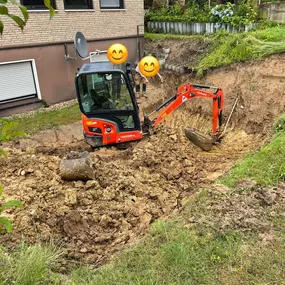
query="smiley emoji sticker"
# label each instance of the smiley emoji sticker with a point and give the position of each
(117, 53)
(149, 66)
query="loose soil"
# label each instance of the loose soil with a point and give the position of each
(149, 180)
(185, 52)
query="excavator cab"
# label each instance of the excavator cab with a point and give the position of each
(107, 101)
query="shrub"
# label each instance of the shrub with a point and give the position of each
(6, 133)
(236, 15)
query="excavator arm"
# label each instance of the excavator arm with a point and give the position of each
(187, 92)
(183, 94)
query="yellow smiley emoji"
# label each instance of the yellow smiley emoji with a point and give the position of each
(149, 66)
(117, 53)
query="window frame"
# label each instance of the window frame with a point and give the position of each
(39, 7)
(36, 82)
(74, 7)
(121, 6)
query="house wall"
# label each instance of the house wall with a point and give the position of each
(94, 24)
(55, 74)
(44, 40)
(273, 11)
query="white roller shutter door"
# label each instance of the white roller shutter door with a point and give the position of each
(17, 81)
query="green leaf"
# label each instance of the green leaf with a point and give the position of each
(10, 204)
(7, 224)
(24, 12)
(1, 190)
(3, 10)
(51, 10)
(2, 152)
(17, 20)
(1, 27)
(3, 1)
(7, 132)
(7, 126)
(15, 134)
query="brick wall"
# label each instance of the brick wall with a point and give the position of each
(93, 24)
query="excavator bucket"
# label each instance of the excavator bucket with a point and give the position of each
(204, 142)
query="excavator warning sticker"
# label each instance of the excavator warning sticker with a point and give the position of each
(184, 99)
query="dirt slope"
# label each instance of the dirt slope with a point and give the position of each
(260, 85)
(185, 52)
(133, 187)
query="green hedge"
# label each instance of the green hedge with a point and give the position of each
(242, 14)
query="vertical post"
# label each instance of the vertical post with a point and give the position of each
(139, 43)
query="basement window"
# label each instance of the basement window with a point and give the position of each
(25, 75)
(37, 4)
(111, 4)
(78, 4)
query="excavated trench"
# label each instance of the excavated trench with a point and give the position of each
(149, 180)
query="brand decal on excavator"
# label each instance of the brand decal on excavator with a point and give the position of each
(201, 93)
(128, 136)
(184, 99)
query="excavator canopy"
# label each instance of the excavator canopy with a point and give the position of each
(105, 93)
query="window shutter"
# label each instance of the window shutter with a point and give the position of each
(16, 81)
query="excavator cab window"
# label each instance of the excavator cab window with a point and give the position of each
(104, 92)
(108, 95)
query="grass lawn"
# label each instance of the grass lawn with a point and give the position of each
(231, 48)
(46, 120)
(267, 166)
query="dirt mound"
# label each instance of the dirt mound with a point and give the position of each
(133, 187)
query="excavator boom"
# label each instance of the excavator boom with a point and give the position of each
(185, 93)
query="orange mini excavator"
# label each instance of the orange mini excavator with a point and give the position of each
(110, 113)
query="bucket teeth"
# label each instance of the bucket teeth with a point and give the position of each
(199, 139)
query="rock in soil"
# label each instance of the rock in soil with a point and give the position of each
(77, 166)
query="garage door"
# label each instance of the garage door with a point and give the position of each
(17, 81)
